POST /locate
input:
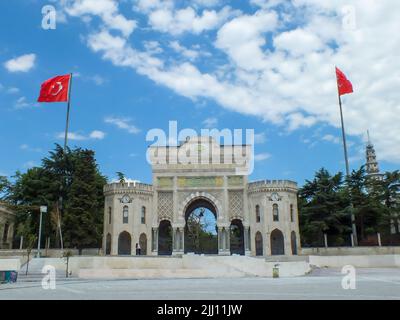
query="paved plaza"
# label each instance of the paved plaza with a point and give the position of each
(321, 284)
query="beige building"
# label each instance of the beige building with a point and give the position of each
(250, 218)
(7, 218)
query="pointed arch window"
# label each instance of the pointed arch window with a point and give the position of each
(143, 215)
(258, 215)
(291, 213)
(125, 214)
(275, 212)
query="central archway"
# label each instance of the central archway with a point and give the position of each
(201, 232)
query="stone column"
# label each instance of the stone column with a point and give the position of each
(177, 246)
(154, 241)
(246, 236)
(114, 244)
(220, 240)
(228, 241)
(182, 240)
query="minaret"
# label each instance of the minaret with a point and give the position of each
(372, 167)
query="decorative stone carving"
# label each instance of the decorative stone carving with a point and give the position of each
(235, 181)
(125, 199)
(165, 182)
(236, 204)
(275, 197)
(199, 182)
(165, 206)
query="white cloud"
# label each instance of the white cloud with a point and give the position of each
(331, 138)
(122, 123)
(210, 122)
(260, 138)
(280, 67)
(22, 103)
(77, 136)
(187, 53)
(187, 20)
(261, 157)
(22, 63)
(97, 134)
(107, 10)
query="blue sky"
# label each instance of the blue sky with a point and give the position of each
(140, 64)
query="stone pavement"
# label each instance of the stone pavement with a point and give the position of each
(321, 284)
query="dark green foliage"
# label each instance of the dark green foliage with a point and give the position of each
(72, 182)
(324, 206)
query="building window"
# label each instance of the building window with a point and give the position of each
(258, 216)
(5, 234)
(109, 215)
(143, 216)
(275, 212)
(291, 213)
(125, 214)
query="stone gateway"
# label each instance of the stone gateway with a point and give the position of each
(201, 207)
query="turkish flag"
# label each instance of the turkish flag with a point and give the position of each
(55, 89)
(344, 85)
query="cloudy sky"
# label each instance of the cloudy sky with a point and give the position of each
(263, 65)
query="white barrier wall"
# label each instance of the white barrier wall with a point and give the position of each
(354, 251)
(366, 261)
(10, 264)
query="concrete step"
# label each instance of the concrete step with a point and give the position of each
(158, 273)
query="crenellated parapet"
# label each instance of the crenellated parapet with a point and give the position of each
(128, 188)
(272, 186)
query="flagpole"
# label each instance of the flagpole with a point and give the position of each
(352, 217)
(68, 108)
(65, 158)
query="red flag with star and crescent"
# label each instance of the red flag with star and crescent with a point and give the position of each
(55, 89)
(344, 85)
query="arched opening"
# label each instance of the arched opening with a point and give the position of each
(124, 243)
(201, 232)
(277, 243)
(293, 242)
(165, 238)
(237, 237)
(143, 244)
(259, 244)
(108, 244)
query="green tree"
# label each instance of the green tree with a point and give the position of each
(5, 186)
(322, 207)
(121, 177)
(365, 208)
(73, 177)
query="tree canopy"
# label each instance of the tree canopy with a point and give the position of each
(326, 202)
(71, 182)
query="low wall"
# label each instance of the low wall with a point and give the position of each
(51, 253)
(345, 251)
(10, 264)
(174, 267)
(361, 261)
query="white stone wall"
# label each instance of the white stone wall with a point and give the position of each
(267, 223)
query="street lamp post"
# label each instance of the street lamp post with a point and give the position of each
(43, 209)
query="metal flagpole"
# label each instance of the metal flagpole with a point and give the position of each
(353, 224)
(65, 156)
